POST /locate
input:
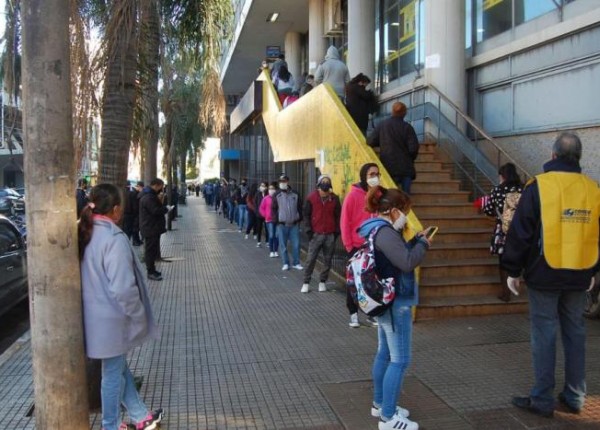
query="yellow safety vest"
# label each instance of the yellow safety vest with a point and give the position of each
(570, 209)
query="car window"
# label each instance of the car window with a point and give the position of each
(3, 193)
(9, 241)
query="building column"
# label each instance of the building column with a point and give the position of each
(293, 54)
(361, 37)
(316, 41)
(445, 49)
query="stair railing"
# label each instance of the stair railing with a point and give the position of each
(476, 155)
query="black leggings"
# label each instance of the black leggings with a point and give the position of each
(352, 308)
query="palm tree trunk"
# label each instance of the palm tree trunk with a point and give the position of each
(54, 280)
(150, 59)
(119, 92)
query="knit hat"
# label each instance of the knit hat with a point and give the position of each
(323, 176)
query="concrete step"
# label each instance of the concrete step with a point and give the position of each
(440, 197)
(425, 186)
(434, 176)
(454, 221)
(462, 286)
(458, 250)
(421, 165)
(453, 235)
(437, 208)
(432, 270)
(426, 156)
(446, 307)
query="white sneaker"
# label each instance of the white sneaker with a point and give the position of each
(305, 288)
(254, 237)
(398, 422)
(298, 266)
(354, 321)
(276, 254)
(322, 287)
(272, 255)
(376, 412)
(246, 237)
(285, 267)
(258, 245)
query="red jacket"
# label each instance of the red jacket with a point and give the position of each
(353, 215)
(322, 216)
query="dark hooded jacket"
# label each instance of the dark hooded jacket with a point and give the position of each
(152, 214)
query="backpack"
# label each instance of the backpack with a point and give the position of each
(511, 202)
(372, 294)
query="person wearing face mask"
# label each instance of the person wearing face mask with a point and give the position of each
(321, 216)
(260, 219)
(394, 258)
(286, 210)
(353, 215)
(267, 214)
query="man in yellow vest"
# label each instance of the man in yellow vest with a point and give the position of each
(553, 240)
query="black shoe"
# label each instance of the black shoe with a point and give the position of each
(154, 277)
(570, 409)
(525, 403)
(156, 272)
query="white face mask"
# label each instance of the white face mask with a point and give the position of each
(283, 186)
(272, 192)
(400, 222)
(373, 182)
(262, 189)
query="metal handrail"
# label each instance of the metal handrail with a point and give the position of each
(476, 126)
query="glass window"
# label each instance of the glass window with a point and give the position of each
(402, 28)
(493, 17)
(526, 10)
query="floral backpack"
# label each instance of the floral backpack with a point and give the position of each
(372, 294)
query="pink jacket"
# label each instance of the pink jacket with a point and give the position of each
(353, 215)
(265, 208)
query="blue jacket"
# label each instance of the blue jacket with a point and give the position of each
(394, 257)
(117, 315)
(523, 250)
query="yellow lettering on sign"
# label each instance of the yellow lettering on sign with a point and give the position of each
(405, 50)
(487, 4)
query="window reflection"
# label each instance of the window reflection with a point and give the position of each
(402, 50)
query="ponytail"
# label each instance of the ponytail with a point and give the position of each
(103, 198)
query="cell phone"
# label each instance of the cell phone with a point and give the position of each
(431, 232)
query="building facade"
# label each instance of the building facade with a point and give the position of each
(521, 69)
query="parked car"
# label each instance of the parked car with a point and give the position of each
(13, 264)
(11, 202)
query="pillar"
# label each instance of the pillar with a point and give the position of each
(316, 41)
(293, 54)
(445, 50)
(361, 37)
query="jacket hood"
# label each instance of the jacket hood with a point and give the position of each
(332, 53)
(111, 226)
(147, 189)
(365, 228)
(356, 188)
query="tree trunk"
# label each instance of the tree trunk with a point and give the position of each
(119, 93)
(182, 176)
(150, 60)
(54, 280)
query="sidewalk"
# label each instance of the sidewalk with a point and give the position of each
(242, 348)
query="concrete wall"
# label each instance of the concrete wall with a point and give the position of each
(533, 150)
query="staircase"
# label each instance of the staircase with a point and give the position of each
(459, 277)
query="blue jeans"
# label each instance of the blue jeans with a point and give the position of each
(405, 182)
(291, 233)
(549, 311)
(392, 358)
(273, 240)
(242, 216)
(230, 210)
(118, 388)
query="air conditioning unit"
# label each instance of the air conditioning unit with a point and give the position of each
(332, 18)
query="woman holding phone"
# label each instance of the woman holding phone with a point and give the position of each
(394, 257)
